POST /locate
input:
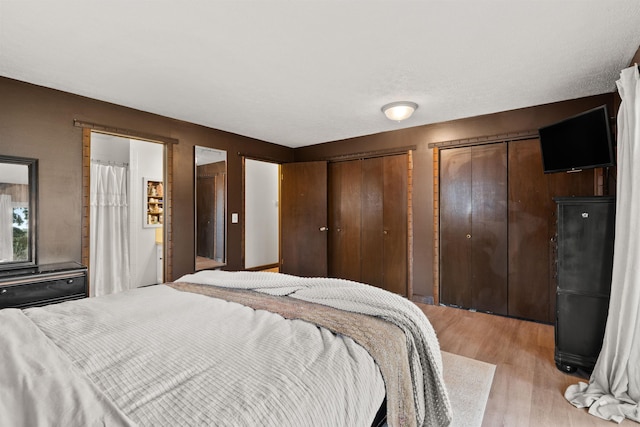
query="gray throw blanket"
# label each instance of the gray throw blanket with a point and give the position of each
(432, 406)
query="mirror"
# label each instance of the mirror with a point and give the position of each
(210, 208)
(18, 214)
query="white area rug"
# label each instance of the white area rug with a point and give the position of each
(468, 382)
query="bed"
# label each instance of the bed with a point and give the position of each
(225, 349)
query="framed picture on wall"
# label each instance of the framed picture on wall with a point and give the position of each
(153, 191)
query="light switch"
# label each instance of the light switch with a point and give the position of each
(234, 218)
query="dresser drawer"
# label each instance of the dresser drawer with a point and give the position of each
(42, 292)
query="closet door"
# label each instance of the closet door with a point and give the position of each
(529, 237)
(532, 216)
(205, 188)
(368, 221)
(372, 238)
(489, 225)
(473, 227)
(455, 227)
(394, 226)
(345, 204)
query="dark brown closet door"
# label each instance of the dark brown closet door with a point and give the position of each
(368, 217)
(345, 204)
(303, 216)
(206, 218)
(455, 227)
(532, 227)
(473, 227)
(489, 221)
(394, 213)
(372, 221)
(529, 233)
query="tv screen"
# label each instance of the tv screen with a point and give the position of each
(579, 142)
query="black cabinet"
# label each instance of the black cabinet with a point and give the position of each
(42, 285)
(586, 228)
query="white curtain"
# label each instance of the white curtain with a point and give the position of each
(613, 392)
(6, 228)
(109, 251)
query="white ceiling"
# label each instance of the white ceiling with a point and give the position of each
(303, 72)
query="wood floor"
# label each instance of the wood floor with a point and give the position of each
(527, 387)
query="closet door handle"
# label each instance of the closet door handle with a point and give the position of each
(468, 236)
(324, 228)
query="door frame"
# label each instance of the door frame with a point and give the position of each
(243, 213)
(168, 144)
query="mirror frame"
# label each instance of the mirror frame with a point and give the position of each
(32, 166)
(197, 163)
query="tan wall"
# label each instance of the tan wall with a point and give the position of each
(494, 124)
(38, 122)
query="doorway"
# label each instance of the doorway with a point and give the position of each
(261, 218)
(126, 213)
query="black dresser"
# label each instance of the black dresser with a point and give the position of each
(586, 228)
(43, 284)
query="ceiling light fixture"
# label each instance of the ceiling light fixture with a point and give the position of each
(400, 110)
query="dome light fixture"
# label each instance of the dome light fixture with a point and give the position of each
(400, 110)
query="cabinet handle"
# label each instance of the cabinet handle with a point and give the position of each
(324, 228)
(4, 291)
(468, 236)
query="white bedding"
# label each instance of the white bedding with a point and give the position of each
(431, 400)
(157, 356)
(40, 387)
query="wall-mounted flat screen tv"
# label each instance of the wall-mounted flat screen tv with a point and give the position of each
(580, 142)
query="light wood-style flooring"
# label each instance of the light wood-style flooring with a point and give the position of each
(527, 387)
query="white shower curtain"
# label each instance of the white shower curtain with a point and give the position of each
(109, 246)
(613, 392)
(6, 228)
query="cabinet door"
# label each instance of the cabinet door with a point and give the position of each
(345, 204)
(585, 245)
(303, 245)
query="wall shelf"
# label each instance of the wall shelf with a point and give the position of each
(153, 190)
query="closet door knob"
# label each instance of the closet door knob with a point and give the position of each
(468, 236)
(324, 228)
